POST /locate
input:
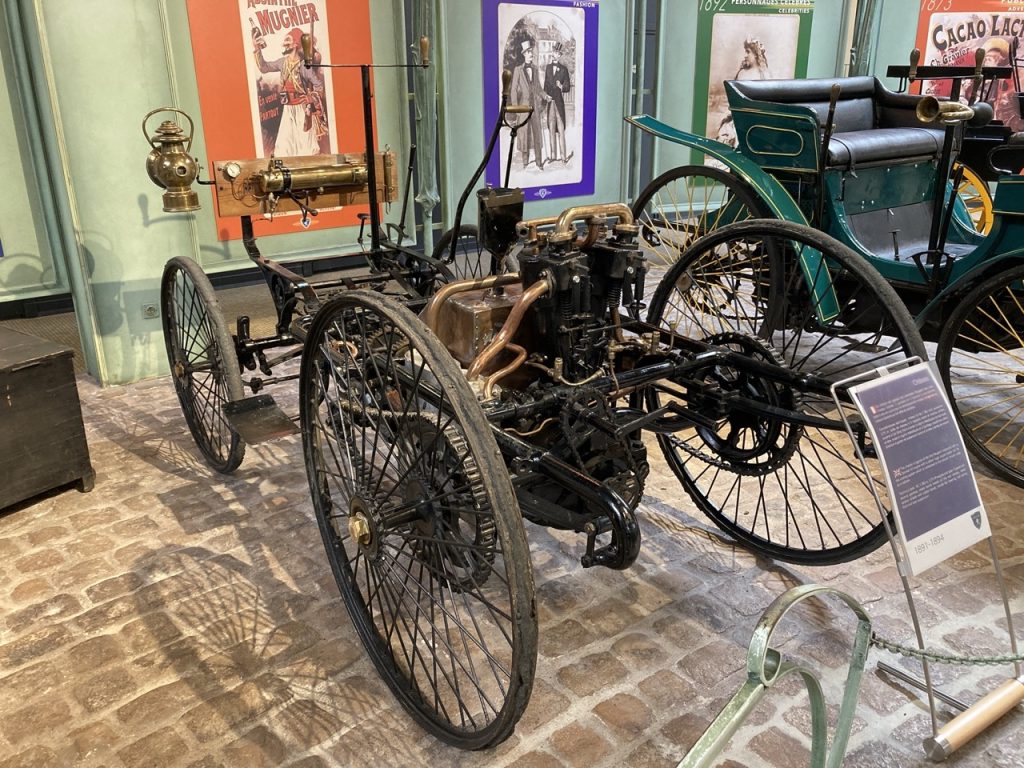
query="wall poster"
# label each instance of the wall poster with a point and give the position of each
(550, 47)
(258, 99)
(740, 40)
(950, 31)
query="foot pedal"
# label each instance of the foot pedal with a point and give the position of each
(258, 419)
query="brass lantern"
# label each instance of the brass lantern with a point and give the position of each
(170, 165)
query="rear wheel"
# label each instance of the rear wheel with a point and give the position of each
(974, 194)
(791, 488)
(471, 259)
(981, 359)
(419, 519)
(688, 202)
(203, 361)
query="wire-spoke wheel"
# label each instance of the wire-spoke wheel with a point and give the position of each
(981, 359)
(789, 487)
(203, 361)
(471, 259)
(974, 194)
(419, 519)
(686, 203)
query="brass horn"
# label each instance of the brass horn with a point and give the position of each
(931, 110)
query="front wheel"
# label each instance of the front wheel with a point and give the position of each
(203, 361)
(789, 487)
(688, 202)
(981, 360)
(419, 519)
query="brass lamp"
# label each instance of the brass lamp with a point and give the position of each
(170, 165)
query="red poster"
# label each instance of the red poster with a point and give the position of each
(258, 99)
(950, 31)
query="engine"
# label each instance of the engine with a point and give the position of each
(534, 337)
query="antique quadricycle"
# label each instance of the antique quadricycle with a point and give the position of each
(863, 163)
(445, 399)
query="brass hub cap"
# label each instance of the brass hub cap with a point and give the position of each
(359, 527)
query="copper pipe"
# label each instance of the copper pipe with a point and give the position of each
(570, 215)
(508, 330)
(461, 286)
(503, 372)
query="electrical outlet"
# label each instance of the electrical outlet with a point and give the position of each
(150, 312)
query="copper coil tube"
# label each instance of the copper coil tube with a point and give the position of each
(461, 286)
(501, 373)
(508, 330)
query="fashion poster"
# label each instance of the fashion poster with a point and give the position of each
(258, 99)
(951, 32)
(735, 44)
(550, 49)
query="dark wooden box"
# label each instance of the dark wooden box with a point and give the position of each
(42, 439)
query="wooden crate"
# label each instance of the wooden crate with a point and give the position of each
(42, 438)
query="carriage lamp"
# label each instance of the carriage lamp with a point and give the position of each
(170, 165)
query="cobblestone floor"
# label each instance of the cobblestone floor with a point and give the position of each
(174, 617)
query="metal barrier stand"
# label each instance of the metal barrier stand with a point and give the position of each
(975, 718)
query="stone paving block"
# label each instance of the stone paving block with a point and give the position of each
(626, 715)
(94, 653)
(651, 754)
(104, 689)
(33, 645)
(580, 746)
(50, 611)
(162, 749)
(592, 673)
(537, 759)
(777, 748)
(31, 590)
(91, 741)
(35, 720)
(639, 651)
(259, 748)
(34, 757)
(162, 704)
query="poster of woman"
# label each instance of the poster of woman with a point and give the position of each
(549, 47)
(735, 44)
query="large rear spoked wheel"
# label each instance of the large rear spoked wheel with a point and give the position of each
(203, 361)
(981, 359)
(791, 488)
(689, 202)
(419, 518)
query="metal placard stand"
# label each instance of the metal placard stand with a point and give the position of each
(972, 719)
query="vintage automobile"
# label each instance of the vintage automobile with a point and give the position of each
(445, 400)
(876, 170)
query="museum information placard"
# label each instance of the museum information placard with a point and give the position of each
(934, 494)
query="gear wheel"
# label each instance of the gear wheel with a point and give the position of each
(747, 443)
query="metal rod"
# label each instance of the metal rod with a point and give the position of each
(371, 158)
(920, 684)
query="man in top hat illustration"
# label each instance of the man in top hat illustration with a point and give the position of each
(556, 85)
(527, 90)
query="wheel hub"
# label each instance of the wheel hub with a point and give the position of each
(361, 525)
(750, 443)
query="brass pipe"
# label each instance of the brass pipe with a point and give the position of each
(503, 372)
(461, 286)
(529, 227)
(315, 177)
(563, 226)
(508, 330)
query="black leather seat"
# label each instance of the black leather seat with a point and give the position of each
(871, 124)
